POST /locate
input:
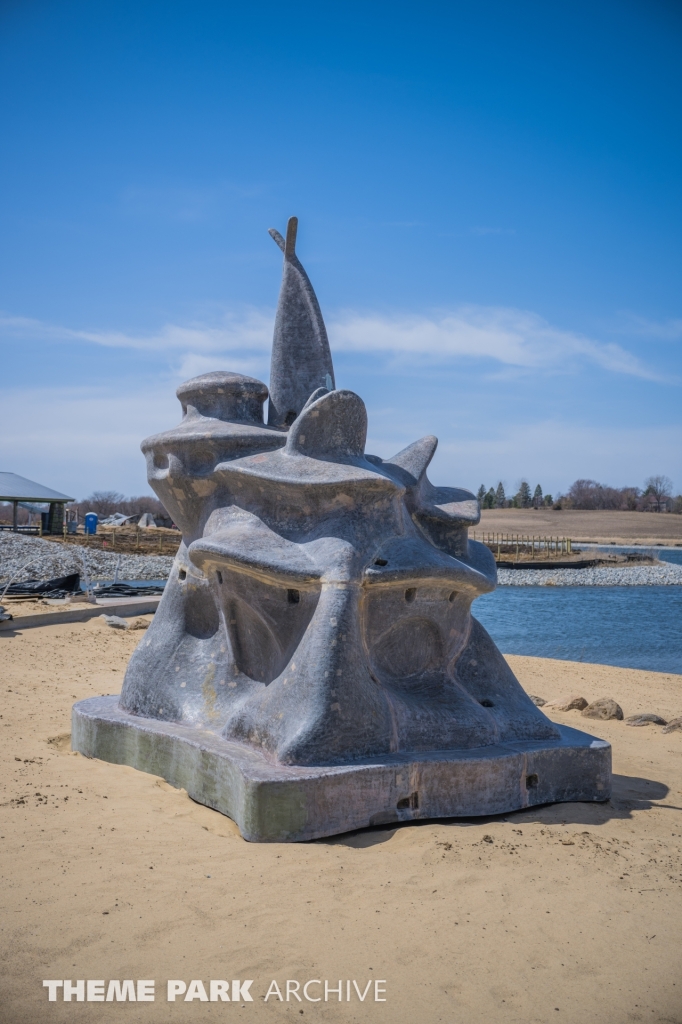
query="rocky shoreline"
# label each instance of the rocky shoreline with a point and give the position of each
(598, 576)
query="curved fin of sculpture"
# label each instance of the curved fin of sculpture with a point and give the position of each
(414, 460)
(301, 360)
(333, 427)
(318, 393)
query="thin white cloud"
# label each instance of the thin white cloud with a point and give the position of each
(666, 330)
(79, 440)
(251, 330)
(511, 338)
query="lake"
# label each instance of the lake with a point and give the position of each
(632, 627)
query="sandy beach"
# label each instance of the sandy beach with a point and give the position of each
(567, 913)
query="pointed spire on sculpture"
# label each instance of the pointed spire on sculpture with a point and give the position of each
(301, 361)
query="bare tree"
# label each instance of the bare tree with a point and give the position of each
(630, 498)
(588, 494)
(660, 488)
(584, 494)
(104, 503)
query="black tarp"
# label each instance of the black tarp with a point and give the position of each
(128, 589)
(45, 588)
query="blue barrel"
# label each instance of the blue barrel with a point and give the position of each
(91, 522)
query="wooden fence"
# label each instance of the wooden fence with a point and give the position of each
(147, 541)
(518, 544)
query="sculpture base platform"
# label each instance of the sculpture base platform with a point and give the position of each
(284, 804)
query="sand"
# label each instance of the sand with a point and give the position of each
(648, 528)
(567, 913)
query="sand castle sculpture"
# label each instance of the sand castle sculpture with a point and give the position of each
(314, 666)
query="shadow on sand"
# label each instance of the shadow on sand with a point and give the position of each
(629, 794)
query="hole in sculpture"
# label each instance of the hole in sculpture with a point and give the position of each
(452, 596)
(380, 561)
(201, 615)
(531, 781)
(182, 574)
(293, 596)
(408, 802)
(485, 703)
(219, 576)
(410, 594)
(289, 418)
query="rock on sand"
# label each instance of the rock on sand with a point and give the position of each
(603, 709)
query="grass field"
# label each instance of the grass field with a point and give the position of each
(602, 527)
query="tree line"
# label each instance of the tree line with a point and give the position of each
(524, 497)
(655, 496)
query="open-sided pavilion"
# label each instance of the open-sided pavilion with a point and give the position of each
(21, 491)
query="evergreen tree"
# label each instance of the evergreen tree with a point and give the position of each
(500, 499)
(480, 494)
(537, 496)
(524, 496)
(489, 499)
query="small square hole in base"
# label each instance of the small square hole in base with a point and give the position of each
(407, 802)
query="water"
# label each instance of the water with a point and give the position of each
(632, 627)
(673, 555)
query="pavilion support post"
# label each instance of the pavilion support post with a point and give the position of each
(55, 518)
(15, 516)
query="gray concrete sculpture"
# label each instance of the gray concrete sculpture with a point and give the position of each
(314, 666)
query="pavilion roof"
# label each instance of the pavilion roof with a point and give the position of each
(18, 488)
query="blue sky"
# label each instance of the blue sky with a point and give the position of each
(489, 204)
